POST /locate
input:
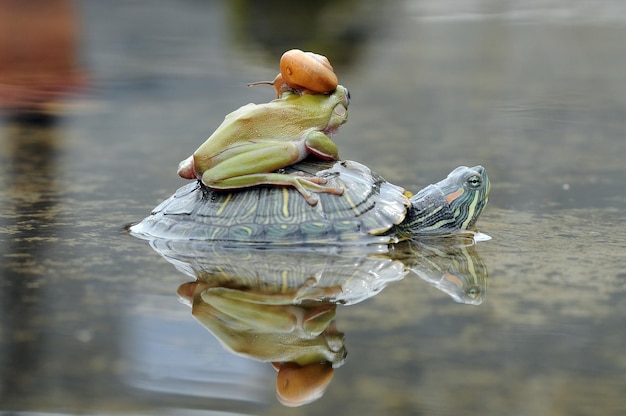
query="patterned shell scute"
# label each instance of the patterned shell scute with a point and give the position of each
(369, 206)
(368, 199)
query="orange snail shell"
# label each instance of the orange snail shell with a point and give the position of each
(306, 71)
(297, 385)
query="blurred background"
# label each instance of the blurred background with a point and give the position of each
(99, 101)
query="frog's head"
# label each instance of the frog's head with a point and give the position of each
(323, 112)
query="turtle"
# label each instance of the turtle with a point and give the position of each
(370, 210)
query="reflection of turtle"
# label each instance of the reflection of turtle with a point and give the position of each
(278, 304)
(294, 276)
(371, 210)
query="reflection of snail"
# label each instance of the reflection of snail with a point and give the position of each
(298, 385)
(303, 72)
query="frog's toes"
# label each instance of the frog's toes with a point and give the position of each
(313, 179)
(310, 199)
(317, 185)
(186, 168)
(317, 180)
(334, 191)
(314, 184)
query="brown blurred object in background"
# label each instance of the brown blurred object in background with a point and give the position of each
(38, 55)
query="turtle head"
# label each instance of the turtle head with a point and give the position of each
(452, 205)
(466, 192)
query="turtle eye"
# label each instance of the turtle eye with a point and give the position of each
(474, 181)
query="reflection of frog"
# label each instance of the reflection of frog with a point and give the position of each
(256, 140)
(267, 327)
(300, 341)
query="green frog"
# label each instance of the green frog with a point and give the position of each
(254, 142)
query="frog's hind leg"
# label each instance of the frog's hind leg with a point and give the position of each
(256, 164)
(303, 184)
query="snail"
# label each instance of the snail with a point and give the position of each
(298, 385)
(304, 73)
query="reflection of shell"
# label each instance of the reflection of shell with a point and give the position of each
(309, 275)
(307, 71)
(331, 274)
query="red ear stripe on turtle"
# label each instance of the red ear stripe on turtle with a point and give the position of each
(454, 195)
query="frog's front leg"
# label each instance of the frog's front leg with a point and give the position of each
(266, 312)
(255, 163)
(232, 307)
(321, 146)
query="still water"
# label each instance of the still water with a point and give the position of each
(93, 321)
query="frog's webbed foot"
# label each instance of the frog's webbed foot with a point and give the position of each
(309, 291)
(304, 184)
(186, 168)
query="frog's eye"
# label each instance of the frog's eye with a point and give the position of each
(348, 95)
(474, 181)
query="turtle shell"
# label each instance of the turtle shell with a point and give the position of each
(366, 212)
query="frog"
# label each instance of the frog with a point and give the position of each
(256, 141)
(295, 326)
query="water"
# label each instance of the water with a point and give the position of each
(90, 318)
